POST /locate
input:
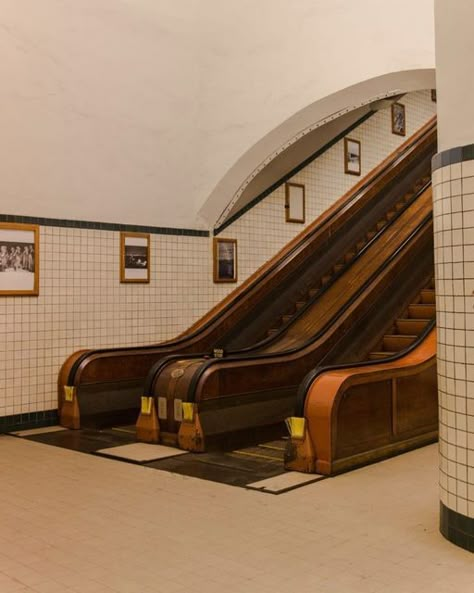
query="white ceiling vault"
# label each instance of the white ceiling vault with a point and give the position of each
(160, 112)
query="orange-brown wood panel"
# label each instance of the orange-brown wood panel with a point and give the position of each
(416, 406)
(364, 418)
(349, 412)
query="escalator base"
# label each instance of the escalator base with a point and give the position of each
(256, 467)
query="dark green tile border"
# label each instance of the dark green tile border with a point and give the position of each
(102, 226)
(294, 171)
(457, 528)
(452, 156)
(28, 420)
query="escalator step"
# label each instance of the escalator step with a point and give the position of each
(390, 214)
(272, 332)
(380, 355)
(286, 318)
(399, 206)
(338, 268)
(397, 342)
(380, 225)
(360, 245)
(411, 326)
(312, 292)
(370, 235)
(421, 311)
(299, 305)
(428, 296)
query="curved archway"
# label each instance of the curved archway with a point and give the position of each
(237, 179)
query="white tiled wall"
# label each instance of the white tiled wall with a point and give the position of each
(83, 305)
(262, 231)
(453, 210)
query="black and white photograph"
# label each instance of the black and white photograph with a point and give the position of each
(18, 259)
(398, 119)
(134, 257)
(225, 260)
(352, 156)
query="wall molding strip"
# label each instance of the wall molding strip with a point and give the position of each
(101, 226)
(452, 156)
(293, 172)
(457, 528)
(28, 420)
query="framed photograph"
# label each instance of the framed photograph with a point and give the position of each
(433, 95)
(294, 202)
(225, 260)
(134, 257)
(19, 259)
(398, 119)
(352, 158)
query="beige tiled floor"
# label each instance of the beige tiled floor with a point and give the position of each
(74, 522)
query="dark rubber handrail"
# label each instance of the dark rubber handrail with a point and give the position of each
(335, 277)
(159, 365)
(312, 375)
(77, 363)
(206, 365)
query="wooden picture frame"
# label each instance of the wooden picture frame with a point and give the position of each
(295, 202)
(225, 260)
(19, 259)
(399, 126)
(434, 97)
(352, 156)
(135, 257)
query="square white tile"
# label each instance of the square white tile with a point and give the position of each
(140, 452)
(284, 482)
(42, 430)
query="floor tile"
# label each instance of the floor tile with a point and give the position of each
(80, 523)
(140, 452)
(285, 482)
(35, 431)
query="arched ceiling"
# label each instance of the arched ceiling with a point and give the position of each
(304, 133)
(159, 112)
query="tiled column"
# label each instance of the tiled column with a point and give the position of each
(453, 211)
(453, 193)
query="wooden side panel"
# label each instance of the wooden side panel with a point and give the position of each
(417, 402)
(364, 418)
(364, 413)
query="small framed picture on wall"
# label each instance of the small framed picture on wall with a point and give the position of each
(398, 119)
(433, 95)
(135, 257)
(19, 259)
(294, 202)
(225, 260)
(352, 156)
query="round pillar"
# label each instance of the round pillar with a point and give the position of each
(453, 216)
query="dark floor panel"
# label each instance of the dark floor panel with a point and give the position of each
(236, 468)
(219, 467)
(85, 440)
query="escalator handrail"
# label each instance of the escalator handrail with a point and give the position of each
(326, 287)
(286, 256)
(160, 364)
(272, 355)
(312, 375)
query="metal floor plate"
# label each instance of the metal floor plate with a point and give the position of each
(243, 467)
